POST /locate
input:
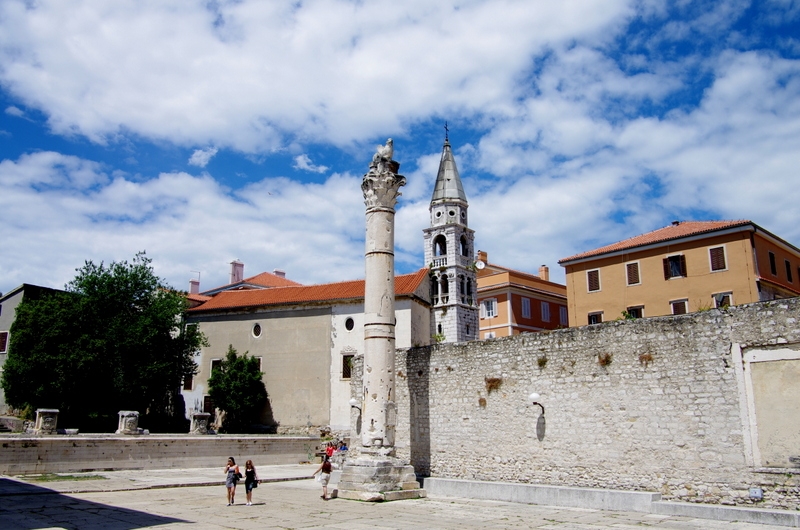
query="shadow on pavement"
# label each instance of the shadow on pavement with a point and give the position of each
(28, 507)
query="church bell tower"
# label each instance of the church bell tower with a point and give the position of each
(449, 251)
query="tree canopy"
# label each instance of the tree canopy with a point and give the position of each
(236, 387)
(115, 340)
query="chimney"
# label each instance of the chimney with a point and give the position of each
(675, 223)
(483, 256)
(544, 273)
(194, 286)
(279, 273)
(237, 271)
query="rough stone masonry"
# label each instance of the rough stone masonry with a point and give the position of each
(699, 407)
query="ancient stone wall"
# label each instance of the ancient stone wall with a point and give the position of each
(657, 404)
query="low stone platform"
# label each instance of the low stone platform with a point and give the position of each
(377, 480)
(88, 452)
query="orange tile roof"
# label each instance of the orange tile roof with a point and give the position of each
(198, 297)
(668, 233)
(405, 284)
(268, 279)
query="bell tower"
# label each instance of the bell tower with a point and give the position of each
(449, 250)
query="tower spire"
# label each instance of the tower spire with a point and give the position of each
(448, 185)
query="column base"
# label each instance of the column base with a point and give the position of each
(377, 479)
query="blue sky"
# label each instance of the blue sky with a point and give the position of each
(203, 132)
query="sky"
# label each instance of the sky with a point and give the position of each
(203, 132)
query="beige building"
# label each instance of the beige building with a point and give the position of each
(513, 302)
(687, 266)
(305, 338)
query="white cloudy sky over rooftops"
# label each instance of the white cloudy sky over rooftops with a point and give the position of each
(207, 132)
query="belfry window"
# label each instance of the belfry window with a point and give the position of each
(440, 246)
(464, 246)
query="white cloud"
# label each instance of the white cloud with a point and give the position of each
(303, 163)
(58, 211)
(201, 157)
(14, 111)
(250, 75)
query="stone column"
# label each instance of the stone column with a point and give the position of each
(128, 422)
(46, 421)
(376, 475)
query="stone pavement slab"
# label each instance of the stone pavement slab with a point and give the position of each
(297, 504)
(287, 498)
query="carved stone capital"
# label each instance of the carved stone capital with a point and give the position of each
(381, 189)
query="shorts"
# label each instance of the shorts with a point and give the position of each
(248, 486)
(324, 478)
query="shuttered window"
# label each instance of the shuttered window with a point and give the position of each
(674, 267)
(593, 280)
(3, 341)
(678, 307)
(717, 255)
(632, 270)
(772, 267)
(789, 271)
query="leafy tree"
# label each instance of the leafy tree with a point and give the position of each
(115, 340)
(236, 388)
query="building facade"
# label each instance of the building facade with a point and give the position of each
(449, 249)
(685, 267)
(513, 302)
(306, 338)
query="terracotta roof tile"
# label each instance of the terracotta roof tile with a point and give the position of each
(405, 284)
(267, 279)
(668, 233)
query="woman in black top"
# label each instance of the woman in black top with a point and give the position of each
(250, 481)
(325, 475)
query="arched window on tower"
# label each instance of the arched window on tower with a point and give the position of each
(462, 289)
(440, 246)
(445, 289)
(435, 290)
(464, 246)
(470, 299)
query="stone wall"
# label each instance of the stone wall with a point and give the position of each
(658, 404)
(63, 454)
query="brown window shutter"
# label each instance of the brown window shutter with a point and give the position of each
(633, 273)
(717, 259)
(666, 269)
(683, 265)
(594, 280)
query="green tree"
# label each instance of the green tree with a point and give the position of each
(236, 387)
(115, 340)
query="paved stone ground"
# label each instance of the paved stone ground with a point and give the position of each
(284, 504)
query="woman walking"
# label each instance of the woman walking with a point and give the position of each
(232, 477)
(250, 480)
(325, 475)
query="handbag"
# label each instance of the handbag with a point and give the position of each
(255, 484)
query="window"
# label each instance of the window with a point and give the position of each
(595, 318)
(215, 363)
(632, 271)
(349, 324)
(675, 267)
(526, 308)
(347, 366)
(489, 335)
(489, 308)
(722, 300)
(717, 257)
(440, 246)
(545, 311)
(187, 382)
(635, 311)
(788, 271)
(562, 316)
(3, 341)
(772, 267)
(679, 307)
(464, 245)
(257, 330)
(593, 280)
